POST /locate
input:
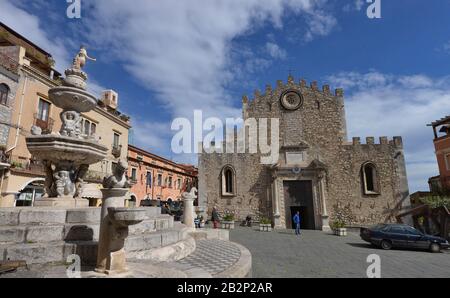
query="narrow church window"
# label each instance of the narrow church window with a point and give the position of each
(4, 92)
(370, 179)
(228, 181)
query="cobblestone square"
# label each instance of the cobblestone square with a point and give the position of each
(281, 254)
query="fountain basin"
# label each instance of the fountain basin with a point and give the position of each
(124, 217)
(57, 148)
(72, 99)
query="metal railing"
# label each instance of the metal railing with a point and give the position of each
(45, 125)
(25, 165)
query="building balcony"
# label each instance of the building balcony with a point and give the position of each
(45, 125)
(95, 176)
(26, 166)
(116, 151)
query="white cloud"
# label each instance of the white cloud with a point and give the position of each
(320, 24)
(380, 104)
(446, 47)
(33, 29)
(182, 50)
(356, 5)
(275, 51)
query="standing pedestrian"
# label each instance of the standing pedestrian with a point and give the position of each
(215, 218)
(297, 220)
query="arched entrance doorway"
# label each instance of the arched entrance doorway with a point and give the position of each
(32, 191)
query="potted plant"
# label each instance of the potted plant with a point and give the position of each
(338, 228)
(265, 225)
(228, 222)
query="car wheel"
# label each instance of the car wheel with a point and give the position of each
(386, 245)
(435, 248)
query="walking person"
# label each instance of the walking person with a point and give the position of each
(197, 222)
(297, 219)
(215, 218)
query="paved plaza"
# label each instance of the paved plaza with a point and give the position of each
(213, 256)
(318, 254)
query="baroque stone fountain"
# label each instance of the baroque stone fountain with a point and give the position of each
(67, 155)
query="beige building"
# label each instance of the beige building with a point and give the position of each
(22, 177)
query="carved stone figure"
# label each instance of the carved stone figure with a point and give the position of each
(190, 195)
(64, 185)
(119, 178)
(71, 124)
(80, 59)
(79, 182)
(50, 186)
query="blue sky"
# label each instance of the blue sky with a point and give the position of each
(166, 58)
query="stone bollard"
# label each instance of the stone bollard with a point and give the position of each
(189, 212)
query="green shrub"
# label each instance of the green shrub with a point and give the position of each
(337, 224)
(265, 221)
(17, 165)
(228, 217)
(436, 201)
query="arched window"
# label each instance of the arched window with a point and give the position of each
(4, 93)
(369, 177)
(228, 181)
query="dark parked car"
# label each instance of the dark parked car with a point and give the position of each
(389, 236)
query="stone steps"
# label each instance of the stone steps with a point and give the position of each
(87, 231)
(58, 251)
(50, 216)
(44, 235)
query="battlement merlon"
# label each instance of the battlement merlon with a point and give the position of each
(302, 84)
(397, 142)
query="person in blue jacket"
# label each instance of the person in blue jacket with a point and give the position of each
(297, 223)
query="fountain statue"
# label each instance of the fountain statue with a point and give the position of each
(67, 155)
(114, 222)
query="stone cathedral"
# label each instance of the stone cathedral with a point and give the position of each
(320, 173)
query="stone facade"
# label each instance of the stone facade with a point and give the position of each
(9, 76)
(155, 177)
(319, 173)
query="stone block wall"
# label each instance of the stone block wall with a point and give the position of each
(346, 198)
(10, 80)
(251, 184)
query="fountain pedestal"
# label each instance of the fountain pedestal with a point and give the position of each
(115, 220)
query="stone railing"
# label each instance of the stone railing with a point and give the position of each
(9, 64)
